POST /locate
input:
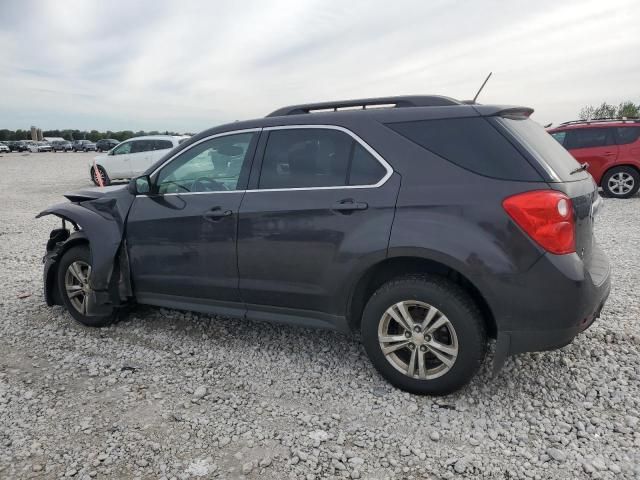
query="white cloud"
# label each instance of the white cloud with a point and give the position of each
(191, 65)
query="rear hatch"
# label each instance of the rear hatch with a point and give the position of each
(561, 171)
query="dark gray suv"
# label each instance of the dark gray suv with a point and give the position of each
(427, 224)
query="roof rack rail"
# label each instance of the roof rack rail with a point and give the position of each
(367, 103)
(603, 120)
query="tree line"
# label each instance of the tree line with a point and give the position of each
(604, 110)
(93, 135)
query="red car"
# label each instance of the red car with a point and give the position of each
(611, 147)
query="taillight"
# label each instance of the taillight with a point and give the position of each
(547, 217)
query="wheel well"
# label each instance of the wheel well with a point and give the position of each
(391, 268)
(52, 293)
(629, 165)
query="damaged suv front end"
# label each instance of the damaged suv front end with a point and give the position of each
(94, 217)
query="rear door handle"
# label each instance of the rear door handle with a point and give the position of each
(348, 205)
(608, 154)
(217, 213)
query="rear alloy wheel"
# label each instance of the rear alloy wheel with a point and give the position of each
(621, 182)
(100, 173)
(74, 273)
(424, 334)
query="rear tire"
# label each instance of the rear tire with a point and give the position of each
(621, 182)
(73, 273)
(455, 326)
(101, 171)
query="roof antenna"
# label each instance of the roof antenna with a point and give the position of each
(481, 87)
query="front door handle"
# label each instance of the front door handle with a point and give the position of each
(216, 214)
(608, 154)
(348, 205)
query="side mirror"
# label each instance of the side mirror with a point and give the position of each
(140, 185)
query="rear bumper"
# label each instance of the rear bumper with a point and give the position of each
(557, 299)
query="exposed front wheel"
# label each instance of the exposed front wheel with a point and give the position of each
(100, 173)
(424, 334)
(74, 272)
(621, 182)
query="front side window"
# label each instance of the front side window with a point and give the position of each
(627, 135)
(123, 149)
(211, 166)
(588, 138)
(316, 157)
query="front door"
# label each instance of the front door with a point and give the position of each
(118, 162)
(182, 238)
(323, 205)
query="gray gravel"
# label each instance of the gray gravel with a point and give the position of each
(168, 394)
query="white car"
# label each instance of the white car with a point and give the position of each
(131, 157)
(4, 148)
(35, 147)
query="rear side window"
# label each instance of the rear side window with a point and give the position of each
(138, 146)
(316, 157)
(589, 137)
(162, 144)
(627, 135)
(471, 143)
(365, 170)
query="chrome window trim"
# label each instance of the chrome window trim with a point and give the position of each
(210, 137)
(365, 145)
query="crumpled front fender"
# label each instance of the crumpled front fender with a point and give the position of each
(104, 230)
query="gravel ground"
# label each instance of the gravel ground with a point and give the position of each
(168, 394)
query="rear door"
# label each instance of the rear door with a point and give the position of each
(140, 156)
(595, 146)
(159, 148)
(320, 201)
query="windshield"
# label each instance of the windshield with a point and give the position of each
(552, 156)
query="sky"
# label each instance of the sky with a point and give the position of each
(186, 65)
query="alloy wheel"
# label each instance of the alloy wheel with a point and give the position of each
(621, 183)
(418, 340)
(76, 285)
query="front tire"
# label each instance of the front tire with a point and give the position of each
(101, 172)
(424, 334)
(621, 182)
(73, 275)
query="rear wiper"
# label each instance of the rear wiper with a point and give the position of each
(581, 168)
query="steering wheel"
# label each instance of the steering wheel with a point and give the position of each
(205, 184)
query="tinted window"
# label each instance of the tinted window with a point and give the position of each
(559, 136)
(588, 137)
(138, 146)
(305, 157)
(162, 144)
(471, 143)
(211, 166)
(549, 154)
(627, 134)
(365, 170)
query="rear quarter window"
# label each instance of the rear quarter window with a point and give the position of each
(626, 135)
(471, 143)
(543, 149)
